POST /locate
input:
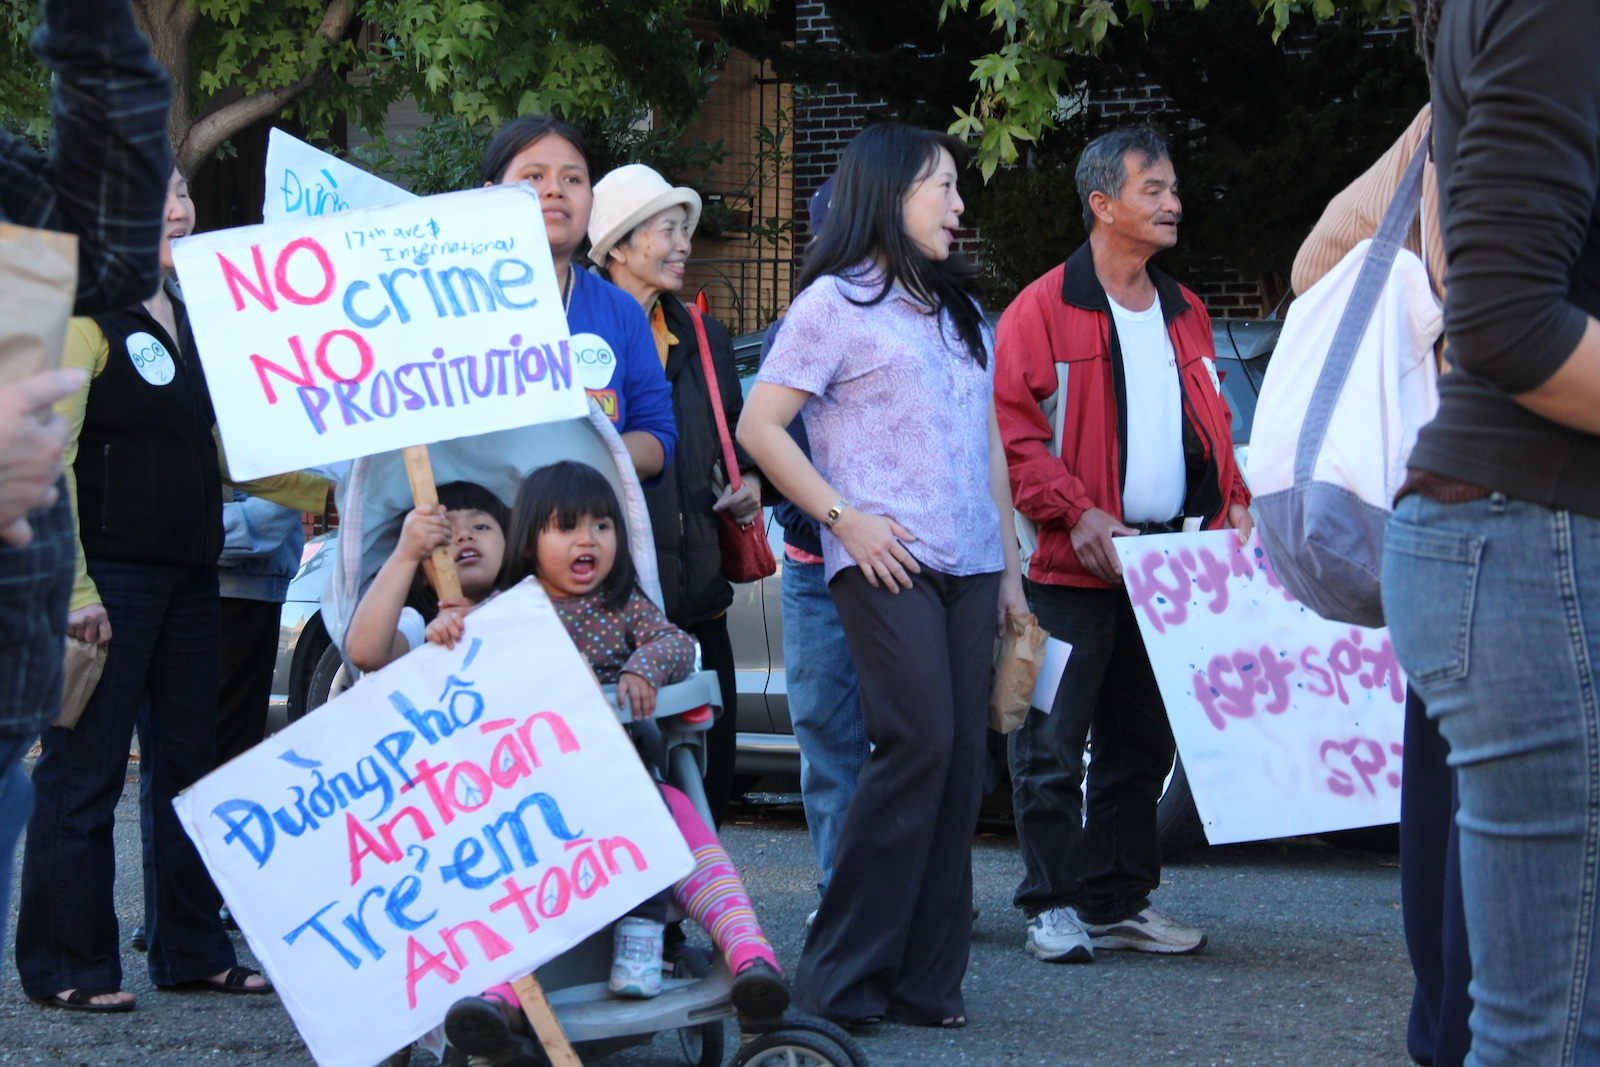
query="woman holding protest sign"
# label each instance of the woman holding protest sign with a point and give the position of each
(887, 351)
(144, 473)
(639, 235)
(611, 347)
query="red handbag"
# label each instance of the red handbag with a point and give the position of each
(746, 556)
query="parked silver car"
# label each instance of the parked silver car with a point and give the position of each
(308, 661)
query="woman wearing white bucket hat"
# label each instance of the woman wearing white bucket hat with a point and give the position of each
(639, 235)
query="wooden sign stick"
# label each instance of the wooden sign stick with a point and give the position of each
(441, 568)
(545, 1024)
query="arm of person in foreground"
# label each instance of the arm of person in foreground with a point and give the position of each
(649, 430)
(1522, 200)
(373, 639)
(297, 490)
(86, 353)
(1012, 601)
(106, 176)
(32, 439)
(873, 541)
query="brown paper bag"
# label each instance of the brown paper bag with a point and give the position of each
(38, 284)
(1017, 658)
(83, 666)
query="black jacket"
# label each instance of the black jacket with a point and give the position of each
(687, 550)
(149, 486)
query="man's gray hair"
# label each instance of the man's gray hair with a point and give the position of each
(1101, 168)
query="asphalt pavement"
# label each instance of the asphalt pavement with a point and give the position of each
(1306, 966)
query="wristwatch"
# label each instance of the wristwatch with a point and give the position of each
(834, 513)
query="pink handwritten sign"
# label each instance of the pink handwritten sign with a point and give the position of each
(452, 821)
(1287, 723)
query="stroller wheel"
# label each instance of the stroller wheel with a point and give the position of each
(795, 1048)
(810, 1024)
(703, 1045)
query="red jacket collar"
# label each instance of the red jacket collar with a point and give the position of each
(1080, 286)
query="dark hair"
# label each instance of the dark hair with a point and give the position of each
(519, 133)
(564, 493)
(1425, 24)
(865, 220)
(456, 496)
(1101, 167)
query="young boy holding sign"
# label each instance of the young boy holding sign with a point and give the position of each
(568, 532)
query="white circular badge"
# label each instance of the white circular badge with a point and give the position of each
(594, 359)
(151, 359)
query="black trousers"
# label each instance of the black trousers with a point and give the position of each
(1430, 896)
(1106, 866)
(895, 927)
(722, 740)
(249, 653)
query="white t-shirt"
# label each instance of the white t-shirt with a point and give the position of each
(412, 627)
(1155, 483)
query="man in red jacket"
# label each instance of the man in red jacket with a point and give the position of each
(1114, 425)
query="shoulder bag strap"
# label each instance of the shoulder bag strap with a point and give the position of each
(1357, 315)
(714, 390)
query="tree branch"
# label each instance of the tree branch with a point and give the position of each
(208, 132)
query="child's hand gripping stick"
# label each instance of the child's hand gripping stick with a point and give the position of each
(441, 567)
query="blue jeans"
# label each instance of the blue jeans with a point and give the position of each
(161, 676)
(1494, 606)
(16, 804)
(823, 706)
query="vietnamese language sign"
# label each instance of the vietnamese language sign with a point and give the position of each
(342, 336)
(304, 182)
(1287, 723)
(450, 822)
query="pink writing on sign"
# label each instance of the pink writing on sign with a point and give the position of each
(1163, 583)
(1363, 759)
(1231, 684)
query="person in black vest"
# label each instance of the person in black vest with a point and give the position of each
(639, 235)
(144, 473)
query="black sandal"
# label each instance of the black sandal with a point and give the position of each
(234, 982)
(83, 1000)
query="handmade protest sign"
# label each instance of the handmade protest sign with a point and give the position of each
(450, 822)
(1287, 723)
(368, 331)
(304, 182)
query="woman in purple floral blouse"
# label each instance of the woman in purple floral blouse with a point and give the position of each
(887, 352)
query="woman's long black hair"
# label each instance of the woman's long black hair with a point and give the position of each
(562, 493)
(866, 221)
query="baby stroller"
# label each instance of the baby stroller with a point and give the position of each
(374, 497)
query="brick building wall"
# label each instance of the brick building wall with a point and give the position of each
(826, 119)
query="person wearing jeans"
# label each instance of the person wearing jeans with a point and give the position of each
(824, 706)
(1491, 569)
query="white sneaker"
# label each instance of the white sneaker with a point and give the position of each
(1056, 936)
(636, 960)
(811, 919)
(1148, 931)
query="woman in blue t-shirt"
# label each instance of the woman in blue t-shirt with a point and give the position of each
(612, 348)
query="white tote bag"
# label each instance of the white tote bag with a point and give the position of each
(1351, 382)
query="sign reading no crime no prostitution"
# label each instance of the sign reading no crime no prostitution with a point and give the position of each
(434, 830)
(1287, 723)
(333, 337)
